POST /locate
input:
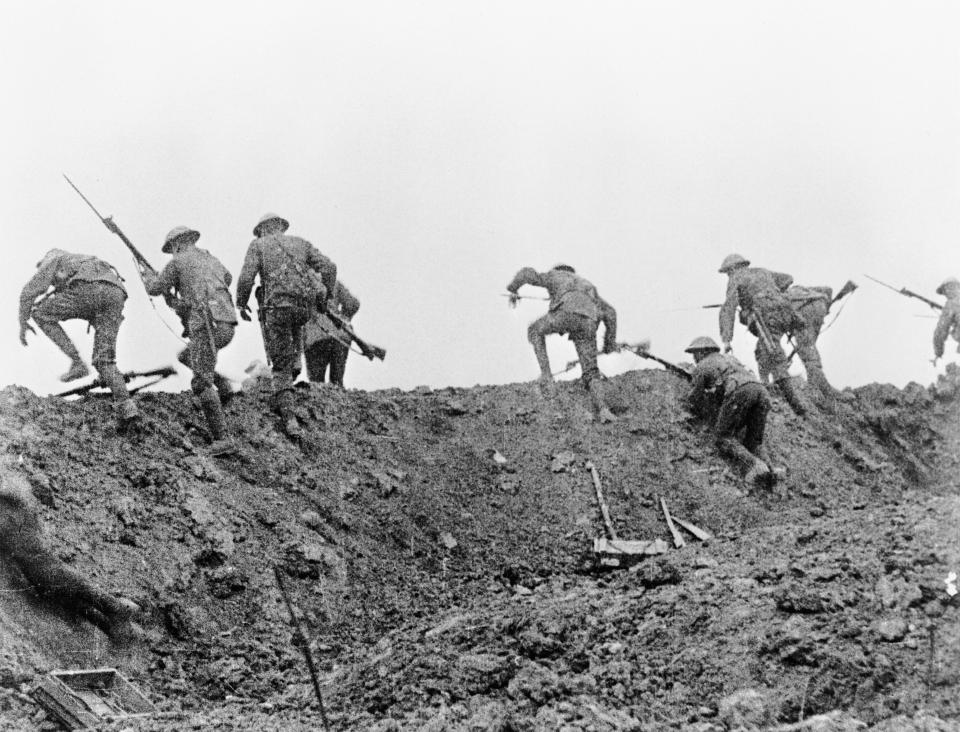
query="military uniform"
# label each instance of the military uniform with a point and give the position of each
(202, 283)
(949, 322)
(811, 305)
(727, 395)
(21, 547)
(577, 310)
(321, 351)
(287, 267)
(759, 293)
(87, 288)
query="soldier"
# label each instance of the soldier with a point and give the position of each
(811, 305)
(207, 311)
(289, 292)
(728, 396)
(22, 548)
(765, 309)
(320, 350)
(87, 288)
(949, 322)
(577, 310)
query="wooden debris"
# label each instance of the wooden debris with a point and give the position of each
(629, 546)
(85, 699)
(677, 539)
(693, 529)
(604, 510)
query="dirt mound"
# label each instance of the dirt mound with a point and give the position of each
(437, 547)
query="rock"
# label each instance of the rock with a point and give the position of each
(562, 461)
(454, 408)
(491, 717)
(227, 581)
(448, 541)
(349, 489)
(745, 708)
(892, 630)
(311, 519)
(386, 483)
(534, 682)
(885, 592)
(657, 572)
(480, 673)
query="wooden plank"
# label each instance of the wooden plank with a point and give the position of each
(629, 546)
(693, 529)
(605, 512)
(677, 539)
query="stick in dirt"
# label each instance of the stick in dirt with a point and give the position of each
(677, 539)
(300, 640)
(604, 510)
(160, 373)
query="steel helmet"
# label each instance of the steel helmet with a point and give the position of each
(733, 261)
(270, 217)
(950, 281)
(564, 268)
(703, 343)
(52, 254)
(179, 232)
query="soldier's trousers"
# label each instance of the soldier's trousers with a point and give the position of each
(101, 305)
(201, 355)
(780, 320)
(283, 339)
(582, 331)
(813, 314)
(323, 354)
(741, 422)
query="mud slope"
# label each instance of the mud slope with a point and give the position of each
(437, 547)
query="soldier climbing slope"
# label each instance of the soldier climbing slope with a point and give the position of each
(22, 549)
(577, 310)
(765, 309)
(207, 311)
(289, 292)
(949, 322)
(811, 305)
(86, 288)
(725, 394)
(320, 350)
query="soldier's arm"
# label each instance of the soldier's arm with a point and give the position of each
(608, 316)
(782, 280)
(728, 311)
(251, 266)
(41, 281)
(325, 266)
(942, 330)
(699, 384)
(526, 276)
(349, 304)
(159, 284)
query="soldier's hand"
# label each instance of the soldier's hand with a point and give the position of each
(24, 327)
(727, 347)
(514, 299)
(245, 313)
(108, 222)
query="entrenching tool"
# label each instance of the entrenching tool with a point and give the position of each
(908, 293)
(160, 374)
(613, 550)
(677, 538)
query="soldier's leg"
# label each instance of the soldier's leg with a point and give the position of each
(279, 333)
(584, 335)
(757, 406)
(338, 362)
(315, 357)
(732, 417)
(810, 356)
(537, 334)
(106, 319)
(204, 345)
(63, 305)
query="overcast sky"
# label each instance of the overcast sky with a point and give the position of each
(433, 148)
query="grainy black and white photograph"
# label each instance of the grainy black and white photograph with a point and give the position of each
(480, 365)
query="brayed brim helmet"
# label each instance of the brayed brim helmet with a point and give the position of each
(270, 217)
(52, 254)
(732, 261)
(179, 232)
(946, 284)
(703, 343)
(564, 268)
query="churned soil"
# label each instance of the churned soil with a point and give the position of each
(437, 546)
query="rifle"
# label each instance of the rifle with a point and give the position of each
(908, 293)
(161, 374)
(367, 349)
(523, 297)
(173, 302)
(643, 352)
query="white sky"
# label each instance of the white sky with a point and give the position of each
(433, 148)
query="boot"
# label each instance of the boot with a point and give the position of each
(604, 415)
(790, 394)
(128, 416)
(78, 369)
(221, 443)
(759, 473)
(224, 388)
(284, 405)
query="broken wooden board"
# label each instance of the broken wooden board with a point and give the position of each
(677, 539)
(604, 510)
(693, 529)
(87, 698)
(629, 546)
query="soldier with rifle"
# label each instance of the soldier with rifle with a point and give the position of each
(766, 311)
(203, 284)
(726, 395)
(86, 288)
(323, 350)
(577, 310)
(290, 289)
(949, 322)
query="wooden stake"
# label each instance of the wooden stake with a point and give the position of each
(605, 512)
(693, 529)
(677, 539)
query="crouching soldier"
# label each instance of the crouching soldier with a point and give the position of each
(86, 288)
(320, 350)
(577, 310)
(290, 291)
(731, 398)
(949, 322)
(22, 549)
(206, 307)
